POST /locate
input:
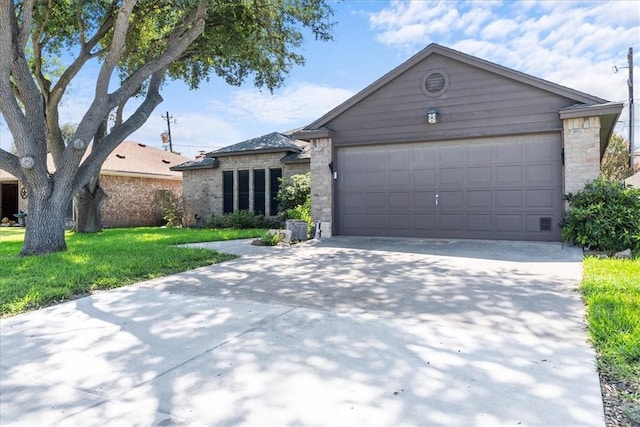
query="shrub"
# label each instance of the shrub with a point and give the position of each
(173, 210)
(604, 216)
(270, 239)
(243, 219)
(293, 192)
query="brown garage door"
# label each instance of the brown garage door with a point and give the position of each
(503, 188)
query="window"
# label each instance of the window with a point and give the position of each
(227, 192)
(243, 190)
(274, 178)
(258, 191)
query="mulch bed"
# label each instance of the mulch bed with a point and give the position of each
(617, 409)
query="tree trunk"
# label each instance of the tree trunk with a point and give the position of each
(88, 204)
(44, 226)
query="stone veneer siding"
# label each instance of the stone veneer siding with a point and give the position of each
(322, 183)
(581, 139)
(132, 201)
(202, 188)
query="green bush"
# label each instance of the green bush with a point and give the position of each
(293, 192)
(243, 219)
(604, 216)
(270, 239)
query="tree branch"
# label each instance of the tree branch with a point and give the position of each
(98, 155)
(10, 163)
(179, 40)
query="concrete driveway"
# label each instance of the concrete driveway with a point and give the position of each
(343, 332)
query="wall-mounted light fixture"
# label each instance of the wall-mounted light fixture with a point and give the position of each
(432, 116)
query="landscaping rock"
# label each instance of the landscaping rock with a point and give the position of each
(626, 254)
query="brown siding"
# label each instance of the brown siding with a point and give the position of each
(131, 201)
(477, 103)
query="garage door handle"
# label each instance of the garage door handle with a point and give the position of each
(437, 199)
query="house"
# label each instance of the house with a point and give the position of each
(242, 176)
(448, 145)
(134, 177)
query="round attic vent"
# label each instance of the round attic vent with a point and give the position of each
(435, 83)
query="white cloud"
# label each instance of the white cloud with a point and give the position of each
(570, 43)
(190, 132)
(295, 105)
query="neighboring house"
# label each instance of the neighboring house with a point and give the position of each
(448, 145)
(243, 176)
(134, 177)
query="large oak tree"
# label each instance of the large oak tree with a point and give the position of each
(137, 46)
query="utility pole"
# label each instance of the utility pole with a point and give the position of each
(632, 147)
(168, 118)
(631, 106)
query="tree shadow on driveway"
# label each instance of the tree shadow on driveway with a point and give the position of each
(318, 335)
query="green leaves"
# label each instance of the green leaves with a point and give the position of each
(604, 216)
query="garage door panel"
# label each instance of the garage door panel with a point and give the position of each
(480, 175)
(480, 199)
(424, 221)
(479, 154)
(398, 179)
(422, 156)
(508, 199)
(542, 174)
(534, 151)
(352, 180)
(508, 153)
(540, 198)
(451, 222)
(399, 158)
(375, 200)
(399, 201)
(424, 199)
(451, 154)
(451, 177)
(481, 222)
(451, 199)
(375, 221)
(374, 180)
(352, 221)
(353, 202)
(510, 175)
(510, 223)
(399, 222)
(424, 178)
(503, 188)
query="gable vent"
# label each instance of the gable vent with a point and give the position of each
(435, 83)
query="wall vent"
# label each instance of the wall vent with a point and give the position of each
(545, 223)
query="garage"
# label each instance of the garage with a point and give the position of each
(448, 145)
(500, 188)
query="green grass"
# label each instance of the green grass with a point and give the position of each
(611, 289)
(106, 260)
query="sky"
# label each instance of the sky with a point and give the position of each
(572, 43)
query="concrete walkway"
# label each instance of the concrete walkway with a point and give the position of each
(343, 332)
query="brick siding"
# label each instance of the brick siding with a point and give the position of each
(132, 201)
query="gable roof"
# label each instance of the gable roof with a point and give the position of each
(433, 48)
(271, 143)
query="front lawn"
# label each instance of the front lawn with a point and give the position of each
(106, 260)
(611, 289)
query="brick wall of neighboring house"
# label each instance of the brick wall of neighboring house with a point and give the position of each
(132, 201)
(202, 188)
